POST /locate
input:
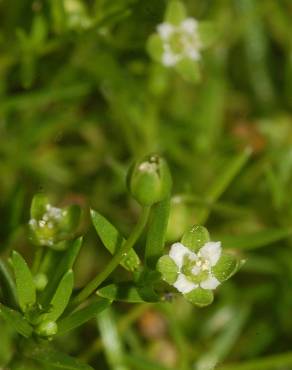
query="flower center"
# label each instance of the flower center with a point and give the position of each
(196, 270)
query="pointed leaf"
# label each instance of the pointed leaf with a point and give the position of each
(125, 292)
(60, 298)
(25, 286)
(16, 321)
(113, 240)
(200, 297)
(175, 12)
(168, 269)
(8, 286)
(156, 232)
(81, 316)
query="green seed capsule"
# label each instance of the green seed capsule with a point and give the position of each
(47, 329)
(149, 180)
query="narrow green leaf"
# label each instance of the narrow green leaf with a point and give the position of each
(25, 286)
(66, 262)
(125, 292)
(16, 321)
(156, 232)
(60, 298)
(111, 340)
(8, 286)
(255, 240)
(81, 316)
(55, 359)
(113, 240)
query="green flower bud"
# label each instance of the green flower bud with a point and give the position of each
(47, 329)
(149, 180)
(51, 226)
(40, 281)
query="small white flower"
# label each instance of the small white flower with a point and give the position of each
(179, 41)
(195, 269)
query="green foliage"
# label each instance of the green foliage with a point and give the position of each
(86, 89)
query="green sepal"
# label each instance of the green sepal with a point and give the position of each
(226, 267)
(125, 292)
(25, 287)
(195, 238)
(155, 47)
(168, 269)
(38, 206)
(81, 316)
(60, 299)
(113, 240)
(16, 321)
(70, 220)
(200, 297)
(175, 12)
(189, 70)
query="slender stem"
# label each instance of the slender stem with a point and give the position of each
(115, 261)
(37, 259)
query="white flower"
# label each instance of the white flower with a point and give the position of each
(195, 269)
(179, 41)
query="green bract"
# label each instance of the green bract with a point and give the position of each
(149, 180)
(196, 266)
(51, 226)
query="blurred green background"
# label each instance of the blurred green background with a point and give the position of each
(80, 98)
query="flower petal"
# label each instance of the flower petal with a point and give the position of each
(165, 30)
(211, 251)
(210, 283)
(183, 285)
(189, 25)
(177, 253)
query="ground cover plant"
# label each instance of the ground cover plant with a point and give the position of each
(145, 203)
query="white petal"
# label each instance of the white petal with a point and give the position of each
(183, 285)
(189, 25)
(194, 54)
(165, 30)
(169, 59)
(211, 251)
(210, 283)
(177, 253)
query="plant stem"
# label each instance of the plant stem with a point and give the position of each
(37, 260)
(126, 247)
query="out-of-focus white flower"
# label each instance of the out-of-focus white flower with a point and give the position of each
(179, 41)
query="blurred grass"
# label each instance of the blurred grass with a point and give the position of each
(79, 97)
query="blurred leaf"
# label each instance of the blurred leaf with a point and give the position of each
(81, 316)
(16, 321)
(111, 340)
(255, 240)
(113, 240)
(7, 286)
(55, 359)
(189, 70)
(25, 286)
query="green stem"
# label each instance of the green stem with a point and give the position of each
(126, 247)
(37, 260)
